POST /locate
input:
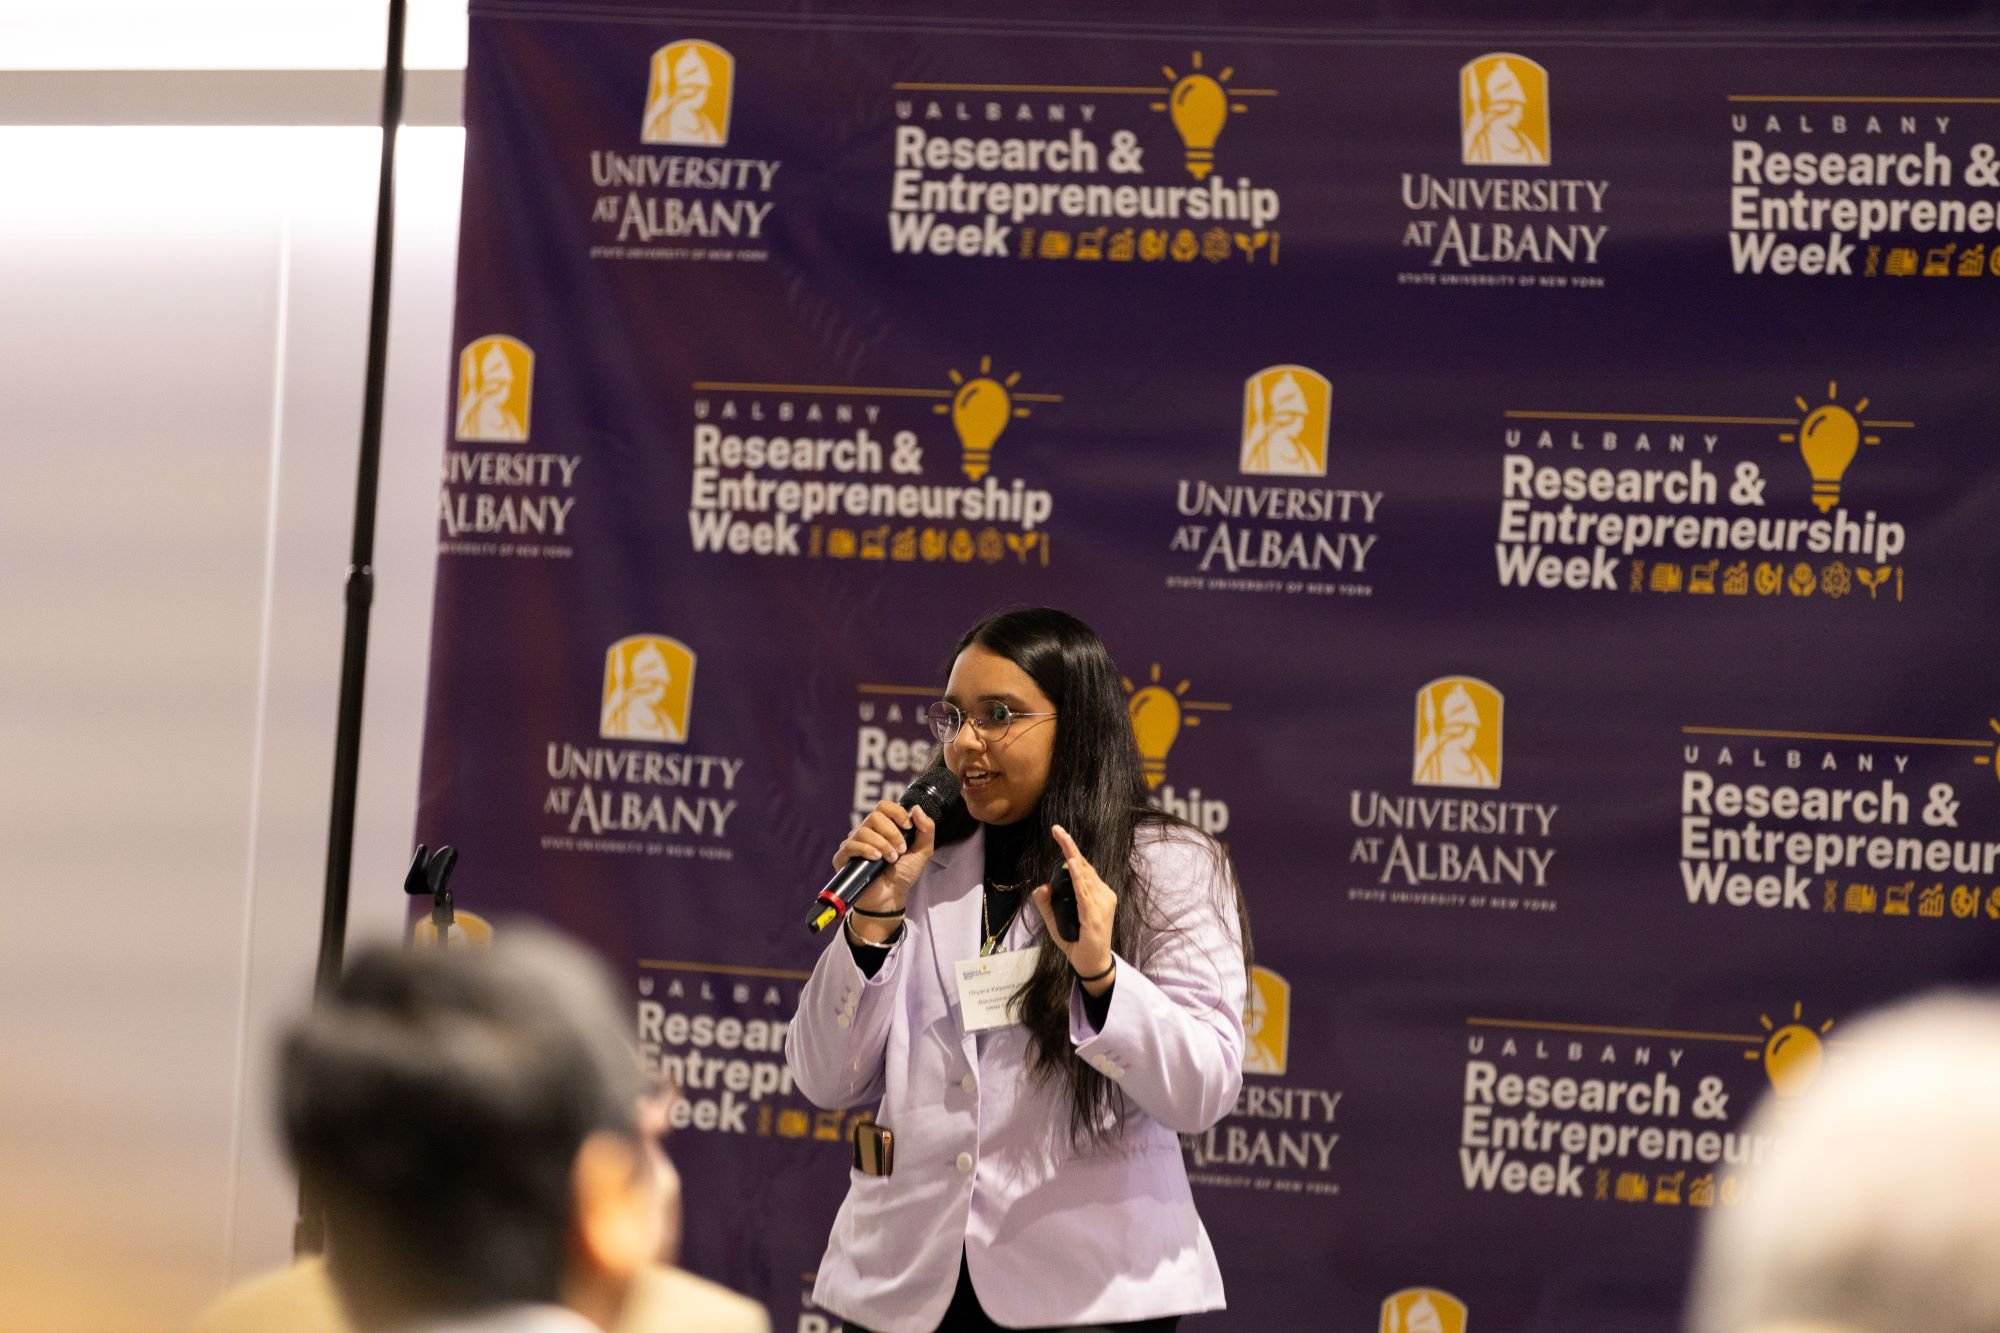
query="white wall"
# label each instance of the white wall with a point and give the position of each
(182, 334)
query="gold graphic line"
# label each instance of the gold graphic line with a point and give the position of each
(1915, 101)
(1608, 1031)
(726, 969)
(731, 386)
(1653, 416)
(1212, 708)
(1672, 417)
(728, 386)
(924, 691)
(1833, 736)
(1108, 90)
(1692, 420)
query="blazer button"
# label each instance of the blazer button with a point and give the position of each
(969, 1083)
(965, 1162)
(845, 1021)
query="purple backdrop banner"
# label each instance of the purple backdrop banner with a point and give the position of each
(1538, 483)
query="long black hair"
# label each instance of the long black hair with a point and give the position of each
(1097, 792)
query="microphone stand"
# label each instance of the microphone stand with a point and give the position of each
(432, 874)
(309, 1236)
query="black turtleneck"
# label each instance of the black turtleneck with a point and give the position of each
(1006, 890)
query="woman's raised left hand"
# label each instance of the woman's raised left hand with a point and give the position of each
(1096, 908)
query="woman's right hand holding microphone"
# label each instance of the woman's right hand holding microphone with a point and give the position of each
(882, 837)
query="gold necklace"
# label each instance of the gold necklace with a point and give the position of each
(986, 922)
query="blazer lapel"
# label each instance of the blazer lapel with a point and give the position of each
(951, 914)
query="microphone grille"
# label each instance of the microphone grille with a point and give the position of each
(933, 793)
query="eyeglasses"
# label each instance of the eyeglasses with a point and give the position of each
(991, 719)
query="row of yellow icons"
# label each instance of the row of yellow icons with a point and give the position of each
(1938, 262)
(1896, 900)
(1149, 244)
(1834, 579)
(1672, 1188)
(790, 1122)
(908, 544)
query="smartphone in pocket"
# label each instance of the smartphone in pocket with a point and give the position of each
(874, 1149)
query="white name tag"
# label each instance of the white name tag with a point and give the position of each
(987, 985)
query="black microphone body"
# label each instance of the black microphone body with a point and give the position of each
(933, 793)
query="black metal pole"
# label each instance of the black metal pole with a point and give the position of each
(309, 1237)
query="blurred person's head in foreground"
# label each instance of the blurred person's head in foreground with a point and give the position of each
(469, 1120)
(1878, 1211)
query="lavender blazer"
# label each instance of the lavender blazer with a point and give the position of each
(1052, 1233)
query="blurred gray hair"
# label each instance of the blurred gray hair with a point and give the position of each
(436, 1101)
(1880, 1210)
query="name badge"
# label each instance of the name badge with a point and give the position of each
(986, 988)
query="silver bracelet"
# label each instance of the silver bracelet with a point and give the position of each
(889, 943)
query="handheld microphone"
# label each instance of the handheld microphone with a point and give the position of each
(932, 793)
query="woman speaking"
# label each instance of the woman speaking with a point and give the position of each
(1023, 1169)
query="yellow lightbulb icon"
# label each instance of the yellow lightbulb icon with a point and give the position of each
(1792, 1057)
(1792, 1054)
(980, 411)
(979, 414)
(1828, 439)
(1158, 714)
(1156, 721)
(1199, 106)
(1991, 760)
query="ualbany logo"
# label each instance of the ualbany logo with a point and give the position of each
(1503, 108)
(1285, 412)
(1458, 734)
(1267, 1022)
(496, 384)
(648, 687)
(688, 98)
(1423, 1310)
(469, 930)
